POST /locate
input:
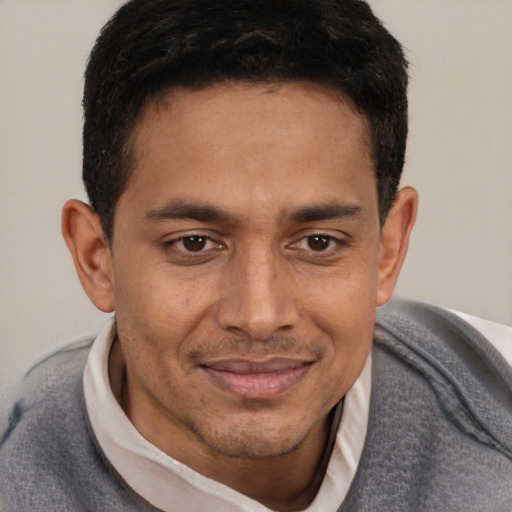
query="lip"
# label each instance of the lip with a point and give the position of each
(257, 380)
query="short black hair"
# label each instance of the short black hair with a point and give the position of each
(150, 46)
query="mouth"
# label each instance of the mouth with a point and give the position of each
(257, 380)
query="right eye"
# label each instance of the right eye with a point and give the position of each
(192, 249)
(194, 243)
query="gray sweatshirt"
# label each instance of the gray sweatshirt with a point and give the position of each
(439, 433)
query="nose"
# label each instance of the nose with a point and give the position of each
(257, 296)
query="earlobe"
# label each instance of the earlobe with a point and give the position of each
(84, 236)
(395, 241)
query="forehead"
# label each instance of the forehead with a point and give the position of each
(258, 141)
(248, 105)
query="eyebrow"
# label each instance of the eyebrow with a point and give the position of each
(203, 212)
(180, 209)
(323, 211)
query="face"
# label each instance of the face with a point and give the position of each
(245, 265)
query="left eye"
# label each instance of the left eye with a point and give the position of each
(318, 243)
(193, 243)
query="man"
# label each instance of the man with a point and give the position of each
(242, 161)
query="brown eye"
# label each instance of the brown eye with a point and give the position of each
(319, 242)
(194, 243)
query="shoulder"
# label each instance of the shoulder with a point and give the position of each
(440, 421)
(445, 340)
(49, 456)
(52, 379)
(414, 321)
(497, 334)
(468, 375)
(47, 414)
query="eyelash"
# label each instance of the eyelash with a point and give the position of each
(172, 244)
(334, 245)
(329, 239)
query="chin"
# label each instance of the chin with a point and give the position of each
(252, 440)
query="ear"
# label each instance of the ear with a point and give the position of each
(395, 241)
(84, 236)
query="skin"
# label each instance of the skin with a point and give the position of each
(245, 269)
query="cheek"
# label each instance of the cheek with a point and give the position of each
(345, 300)
(345, 310)
(352, 341)
(151, 296)
(157, 318)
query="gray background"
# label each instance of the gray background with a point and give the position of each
(459, 159)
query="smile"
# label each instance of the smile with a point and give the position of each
(257, 380)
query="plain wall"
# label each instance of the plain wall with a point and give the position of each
(459, 156)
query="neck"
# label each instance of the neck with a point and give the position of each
(289, 482)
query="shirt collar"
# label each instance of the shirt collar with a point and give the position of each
(170, 485)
